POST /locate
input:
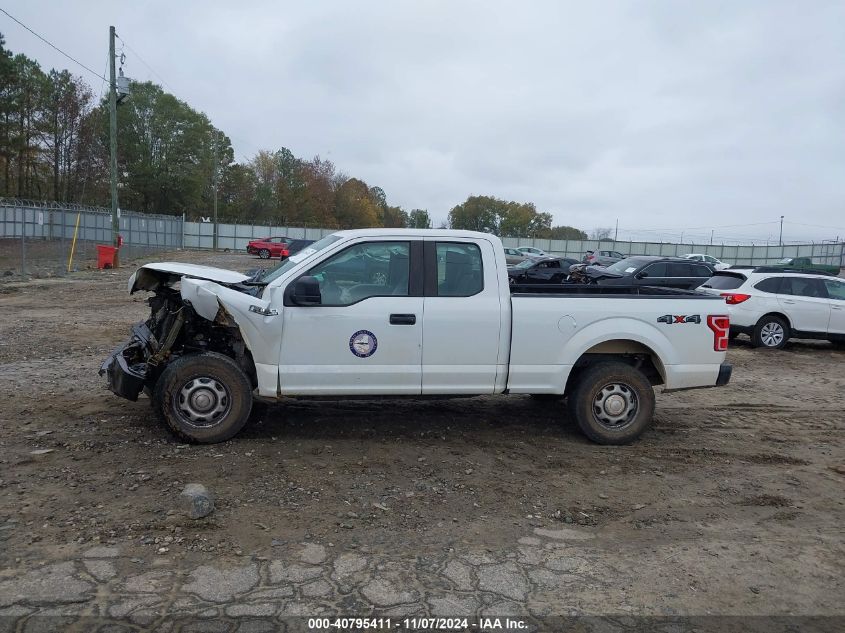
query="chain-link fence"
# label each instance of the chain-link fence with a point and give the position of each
(37, 238)
(235, 237)
(47, 239)
(832, 253)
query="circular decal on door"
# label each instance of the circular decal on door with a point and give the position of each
(363, 343)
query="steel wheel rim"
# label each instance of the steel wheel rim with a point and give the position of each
(771, 334)
(615, 406)
(203, 402)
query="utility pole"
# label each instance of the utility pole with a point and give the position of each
(711, 236)
(780, 239)
(214, 180)
(115, 221)
(616, 233)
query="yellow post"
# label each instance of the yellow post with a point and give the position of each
(73, 244)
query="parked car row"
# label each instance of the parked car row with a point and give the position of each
(770, 304)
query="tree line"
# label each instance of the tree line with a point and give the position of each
(54, 145)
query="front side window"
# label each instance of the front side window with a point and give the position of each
(656, 270)
(370, 269)
(835, 289)
(459, 269)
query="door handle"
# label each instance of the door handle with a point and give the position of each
(403, 319)
(788, 301)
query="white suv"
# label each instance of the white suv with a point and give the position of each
(771, 306)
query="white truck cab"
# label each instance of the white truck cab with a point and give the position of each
(406, 312)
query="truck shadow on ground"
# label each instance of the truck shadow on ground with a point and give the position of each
(391, 419)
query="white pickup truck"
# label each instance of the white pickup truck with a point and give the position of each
(401, 312)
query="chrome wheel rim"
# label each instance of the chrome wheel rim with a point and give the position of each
(203, 402)
(615, 406)
(771, 334)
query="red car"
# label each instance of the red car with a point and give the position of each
(267, 247)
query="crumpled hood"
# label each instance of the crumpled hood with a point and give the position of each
(150, 276)
(600, 272)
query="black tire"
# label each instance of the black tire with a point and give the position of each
(264, 253)
(210, 377)
(771, 332)
(732, 335)
(628, 387)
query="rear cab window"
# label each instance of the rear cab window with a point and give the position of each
(460, 271)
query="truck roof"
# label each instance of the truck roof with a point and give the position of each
(415, 233)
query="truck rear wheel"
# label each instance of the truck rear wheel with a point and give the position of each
(612, 402)
(203, 398)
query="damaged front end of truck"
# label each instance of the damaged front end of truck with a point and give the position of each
(193, 310)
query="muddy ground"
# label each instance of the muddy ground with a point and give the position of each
(731, 504)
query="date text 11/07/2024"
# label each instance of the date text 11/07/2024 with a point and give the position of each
(418, 624)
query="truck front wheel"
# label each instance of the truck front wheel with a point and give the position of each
(612, 402)
(203, 398)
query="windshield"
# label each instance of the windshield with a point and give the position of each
(526, 263)
(293, 260)
(786, 260)
(627, 265)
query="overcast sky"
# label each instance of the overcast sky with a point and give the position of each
(666, 115)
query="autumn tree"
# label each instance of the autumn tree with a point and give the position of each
(354, 206)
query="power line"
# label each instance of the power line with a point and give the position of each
(169, 87)
(53, 46)
(141, 59)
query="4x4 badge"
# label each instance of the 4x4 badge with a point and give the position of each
(679, 318)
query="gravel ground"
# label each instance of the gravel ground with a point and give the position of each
(731, 504)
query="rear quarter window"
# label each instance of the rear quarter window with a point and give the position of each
(725, 282)
(772, 284)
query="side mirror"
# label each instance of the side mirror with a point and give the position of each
(306, 292)
(641, 275)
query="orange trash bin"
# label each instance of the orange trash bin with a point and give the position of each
(105, 256)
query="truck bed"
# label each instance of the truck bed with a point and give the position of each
(593, 290)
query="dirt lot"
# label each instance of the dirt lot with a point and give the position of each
(731, 504)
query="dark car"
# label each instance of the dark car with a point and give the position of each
(665, 272)
(542, 270)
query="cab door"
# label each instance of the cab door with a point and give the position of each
(463, 350)
(365, 336)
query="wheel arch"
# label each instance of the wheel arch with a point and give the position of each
(634, 353)
(780, 315)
